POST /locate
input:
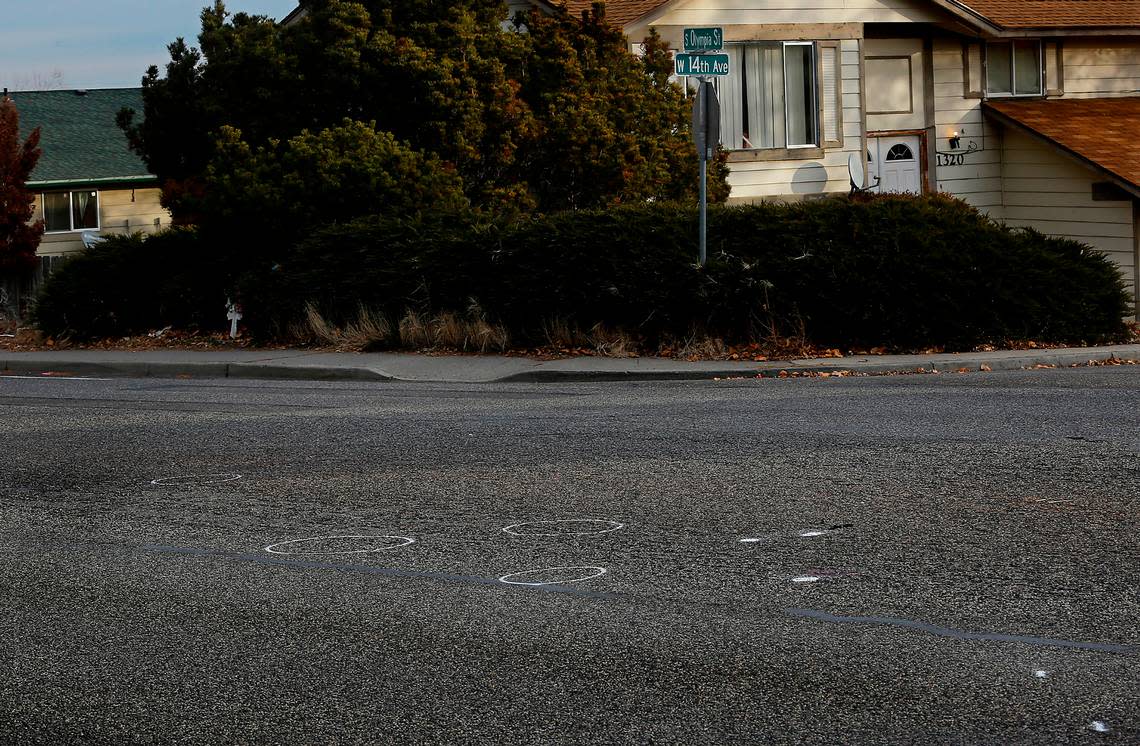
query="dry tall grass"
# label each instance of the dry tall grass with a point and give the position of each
(368, 331)
(473, 332)
(600, 339)
(371, 330)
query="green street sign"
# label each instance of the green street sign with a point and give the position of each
(709, 39)
(701, 64)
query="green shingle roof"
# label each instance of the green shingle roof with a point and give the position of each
(78, 134)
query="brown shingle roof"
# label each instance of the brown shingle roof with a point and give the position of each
(1006, 14)
(1100, 131)
(1023, 14)
(618, 12)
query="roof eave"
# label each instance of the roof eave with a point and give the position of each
(647, 18)
(101, 181)
(971, 16)
(294, 15)
(963, 11)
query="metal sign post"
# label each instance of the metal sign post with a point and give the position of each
(706, 136)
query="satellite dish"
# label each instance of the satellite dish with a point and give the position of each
(855, 169)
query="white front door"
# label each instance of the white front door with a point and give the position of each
(896, 164)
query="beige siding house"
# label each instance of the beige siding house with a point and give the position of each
(998, 102)
(88, 181)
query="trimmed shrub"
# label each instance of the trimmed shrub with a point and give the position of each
(385, 265)
(133, 283)
(898, 271)
(911, 272)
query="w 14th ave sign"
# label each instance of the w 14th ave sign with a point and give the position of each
(701, 64)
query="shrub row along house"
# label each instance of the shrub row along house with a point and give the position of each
(89, 183)
(1027, 109)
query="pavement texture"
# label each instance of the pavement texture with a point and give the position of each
(347, 366)
(914, 559)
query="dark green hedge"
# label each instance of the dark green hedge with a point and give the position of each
(132, 284)
(921, 271)
(903, 272)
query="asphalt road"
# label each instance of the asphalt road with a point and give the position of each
(919, 559)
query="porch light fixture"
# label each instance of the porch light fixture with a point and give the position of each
(955, 140)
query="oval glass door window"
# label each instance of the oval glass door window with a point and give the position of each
(900, 152)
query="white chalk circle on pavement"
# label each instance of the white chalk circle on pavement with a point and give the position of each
(563, 527)
(340, 544)
(553, 575)
(192, 479)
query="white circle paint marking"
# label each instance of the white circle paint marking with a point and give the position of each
(575, 575)
(1099, 726)
(304, 546)
(586, 526)
(811, 533)
(806, 579)
(191, 479)
(1040, 674)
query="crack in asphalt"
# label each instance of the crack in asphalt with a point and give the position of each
(370, 570)
(934, 629)
(823, 616)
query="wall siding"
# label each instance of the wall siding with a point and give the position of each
(120, 211)
(732, 12)
(978, 179)
(1053, 194)
(1102, 67)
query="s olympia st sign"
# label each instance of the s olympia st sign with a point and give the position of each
(704, 39)
(701, 64)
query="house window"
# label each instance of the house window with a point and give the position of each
(1013, 68)
(769, 98)
(900, 152)
(70, 211)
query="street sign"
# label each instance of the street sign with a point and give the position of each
(701, 64)
(706, 120)
(709, 39)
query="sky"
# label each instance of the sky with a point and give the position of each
(100, 43)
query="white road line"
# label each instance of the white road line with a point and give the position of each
(53, 378)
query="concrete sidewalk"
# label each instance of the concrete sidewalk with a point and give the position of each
(326, 366)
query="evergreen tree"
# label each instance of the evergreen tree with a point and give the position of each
(19, 235)
(558, 116)
(261, 199)
(613, 128)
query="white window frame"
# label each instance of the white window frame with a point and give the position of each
(1013, 69)
(71, 211)
(817, 129)
(814, 100)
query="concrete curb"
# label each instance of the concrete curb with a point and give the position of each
(998, 360)
(304, 373)
(566, 371)
(155, 369)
